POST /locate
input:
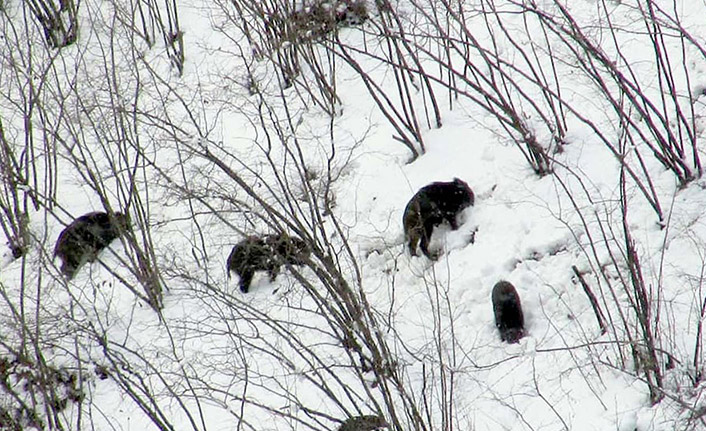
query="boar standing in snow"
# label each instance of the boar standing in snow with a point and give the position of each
(85, 237)
(266, 253)
(432, 205)
(508, 312)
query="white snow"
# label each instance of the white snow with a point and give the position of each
(272, 359)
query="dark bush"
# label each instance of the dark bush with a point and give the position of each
(318, 18)
(22, 381)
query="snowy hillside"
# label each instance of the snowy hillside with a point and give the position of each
(301, 133)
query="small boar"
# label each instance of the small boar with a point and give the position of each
(508, 312)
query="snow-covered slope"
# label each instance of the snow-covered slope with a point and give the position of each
(227, 148)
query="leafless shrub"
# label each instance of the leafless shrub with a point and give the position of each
(466, 67)
(315, 20)
(151, 20)
(668, 116)
(527, 92)
(37, 392)
(59, 22)
(287, 35)
(14, 219)
(630, 305)
(27, 156)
